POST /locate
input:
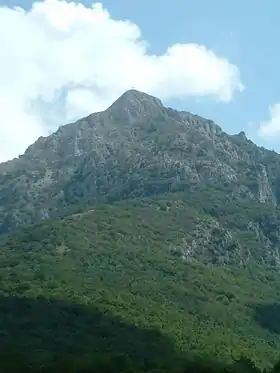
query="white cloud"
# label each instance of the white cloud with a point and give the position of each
(271, 128)
(61, 60)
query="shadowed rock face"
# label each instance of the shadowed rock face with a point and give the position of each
(137, 147)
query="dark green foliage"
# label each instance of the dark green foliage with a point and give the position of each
(268, 316)
(45, 330)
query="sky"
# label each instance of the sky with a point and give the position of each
(62, 60)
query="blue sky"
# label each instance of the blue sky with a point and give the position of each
(246, 33)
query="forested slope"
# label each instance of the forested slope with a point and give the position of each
(118, 279)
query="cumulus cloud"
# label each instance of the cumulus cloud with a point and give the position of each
(61, 60)
(271, 128)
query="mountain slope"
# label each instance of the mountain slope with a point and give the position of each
(167, 235)
(137, 147)
(128, 260)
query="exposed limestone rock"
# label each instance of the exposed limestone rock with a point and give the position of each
(265, 191)
(137, 147)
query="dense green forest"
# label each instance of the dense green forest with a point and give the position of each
(117, 289)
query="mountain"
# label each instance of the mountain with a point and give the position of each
(140, 239)
(139, 148)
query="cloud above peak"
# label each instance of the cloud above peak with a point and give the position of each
(270, 129)
(63, 60)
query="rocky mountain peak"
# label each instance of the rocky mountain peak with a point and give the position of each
(242, 136)
(134, 104)
(137, 147)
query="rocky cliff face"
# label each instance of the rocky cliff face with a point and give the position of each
(137, 147)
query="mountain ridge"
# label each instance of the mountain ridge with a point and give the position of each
(136, 147)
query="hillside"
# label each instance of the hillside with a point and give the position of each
(87, 282)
